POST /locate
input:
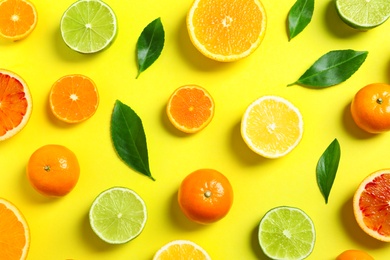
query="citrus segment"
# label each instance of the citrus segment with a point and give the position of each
(74, 98)
(181, 249)
(15, 233)
(88, 26)
(363, 14)
(190, 108)
(15, 104)
(205, 196)
(371, 205)
(370, 108)
(286, 233)
(118, 215)
(354, 255)
(272, 126)
(226, 30)
(18, 19)
(53, 170)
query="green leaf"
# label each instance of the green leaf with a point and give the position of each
(327, 168)
(332, 68)
(300, 16)
(129, 138)
(150, 45)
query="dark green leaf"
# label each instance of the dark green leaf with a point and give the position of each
(150, 45)
(300, 16)
(327, 168)
(332, 68)
(129, 138)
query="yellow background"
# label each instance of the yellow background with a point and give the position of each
(60, 227)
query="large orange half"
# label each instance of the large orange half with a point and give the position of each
(15, 104)
(18, 18)
(14, 232)
(226, 30)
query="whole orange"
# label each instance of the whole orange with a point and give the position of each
(354, 255)
(370, 108)
(53, 170)
(205, 196)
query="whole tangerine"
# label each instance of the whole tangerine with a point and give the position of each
(354, 254)
(205, 196)
(370, 108)
(53, 170)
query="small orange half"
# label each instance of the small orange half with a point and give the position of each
(74, 98)
(181, 249)
(15, 233)
(226, 30)
(15, 104)
(371, 205)
(190, 108)
(18, 18)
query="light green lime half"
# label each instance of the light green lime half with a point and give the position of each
(286, 233)
(88, 26)
(118, 215)
(363, 14)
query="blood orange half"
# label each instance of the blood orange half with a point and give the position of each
(15, 104)
(371, 205)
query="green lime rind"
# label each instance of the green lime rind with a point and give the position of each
(118, 215)
(363, 14)
(286, 233)
(88, 26)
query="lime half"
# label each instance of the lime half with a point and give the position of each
(88, 26)
(118, 215)
(363, 14)
(286, 233)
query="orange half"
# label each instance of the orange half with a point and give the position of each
(190, 108)
(18, 19)
(371, 205)
(15, 104)
(74, 98)
(15, 234)
(226, 30)
(181, 249)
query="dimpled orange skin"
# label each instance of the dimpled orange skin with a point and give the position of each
(354, 255)
(205, 196)
(53, 170)
(370, 108)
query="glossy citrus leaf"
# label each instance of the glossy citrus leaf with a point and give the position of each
(150, 45)
(327, 168)
(332, 68)
(129, 138)
(299, 16)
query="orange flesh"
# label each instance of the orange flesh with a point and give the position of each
(12, 235)
(191, 108)
(13, 103)
(74, 98)
(375, 204)
(228, 29)
(180, 251)
(17, 18)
